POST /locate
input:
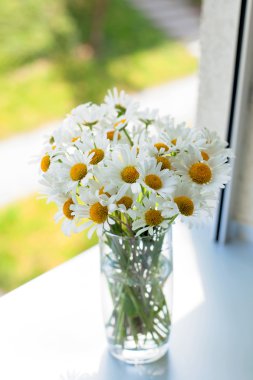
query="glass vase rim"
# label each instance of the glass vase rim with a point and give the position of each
(136, 237)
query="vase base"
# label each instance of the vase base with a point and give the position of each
(139, 356)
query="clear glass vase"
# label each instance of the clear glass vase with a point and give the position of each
(137, 295)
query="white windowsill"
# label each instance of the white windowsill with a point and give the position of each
(53, 325)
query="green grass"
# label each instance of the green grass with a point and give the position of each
(45, 69)
(31, 243)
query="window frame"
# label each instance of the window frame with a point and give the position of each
(225, 229)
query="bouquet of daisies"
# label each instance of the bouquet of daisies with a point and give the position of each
(122, 171)
(118, 168)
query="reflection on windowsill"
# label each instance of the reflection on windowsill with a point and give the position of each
(110, 369)
(188, 287)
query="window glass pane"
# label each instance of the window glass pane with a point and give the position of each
(55, 55)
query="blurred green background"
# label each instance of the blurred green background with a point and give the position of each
(55, 55)
(51, 58)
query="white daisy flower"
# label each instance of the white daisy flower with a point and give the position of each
(66, 133)
(119, 125)
(155, 179)
(161, 152)
(139, 134)
(212, 174)
(192, 205)
(148, 116)
(96, 210)
(125, 202)
(96, 146)
(159, 147)
(120, 101)
(112, 135)
(211, 145)
(75, 169)
(43, 159)
(51, 185)
(48, 142)
(151, 214)
(176, 137)
(123, 170)
(88, 114)
(70, 222)
(96, 187)
(120, 121)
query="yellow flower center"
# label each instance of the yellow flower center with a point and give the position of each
(161, 145)
(165, 162)
(185, 205)
(110, 135)
(153, 181)
(153, 217)
(45, 163)
(97, 157)
(200, 173)
(174, 141)
(129, 174)
(66, 209)
(127, 201)
(204, 155)
(101, 191)
(53, 147)
(98, 213)
(75, 138)
(123, 121)
(78, 172)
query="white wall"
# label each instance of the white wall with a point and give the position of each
(218, 43)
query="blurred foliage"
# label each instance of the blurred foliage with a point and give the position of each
(32, 243)
(48, 65)
(197, 2)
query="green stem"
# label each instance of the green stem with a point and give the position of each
(133, 313)
(133, 330)
(119, 334)
(118, 220)
(128, 137)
